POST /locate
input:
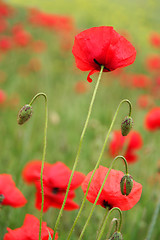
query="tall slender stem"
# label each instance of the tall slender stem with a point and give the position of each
(105, 221)
(43, 155)
(79, 149)
(98, 162)
(99, 193)
(154, 219)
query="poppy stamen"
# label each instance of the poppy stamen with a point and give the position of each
(101, 65)
(107, 205)
(55, 190)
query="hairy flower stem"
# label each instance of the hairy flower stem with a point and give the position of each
(105, 221)
(79, 149)
(154, 219)
(114, 220)
(99, 193)
(98, 162)
(43, 155)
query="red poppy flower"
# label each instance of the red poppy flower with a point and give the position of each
(29, 230)
(155, 39)
(125, 145)
(152, 119)
(140, 81)
(21, 37)
(102, 46)
(111, 195)
(5, 43)
(51, 21)
(5, 9)
(9, 193)
(153, 63)
(144, 101)
(2, 96)
(55, 179)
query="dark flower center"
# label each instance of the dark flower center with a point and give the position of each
(55, 190)
(105, 204)
(101, 65)
(1, 198)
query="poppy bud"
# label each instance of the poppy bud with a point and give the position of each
(116, 236)
(126, 125)
(24, 114)
(126, 184)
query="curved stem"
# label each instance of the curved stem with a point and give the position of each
(130, 106)
(79, 149)
(111, 226)
(43, 155)
(98, 162)
(154, 219)
(106, 218)
(104, 181)
(102, 223)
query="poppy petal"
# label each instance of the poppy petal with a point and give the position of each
(111, 193)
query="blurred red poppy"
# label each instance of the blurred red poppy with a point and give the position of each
(55, 181)
(125, 145)
(29, 230)
(102, 46)
(111, 195)
(51, 21)
(145, 101)
(155, 39)
(153, 63)
(140, 81)
(5, 43)
(21, 37)
(9, 193)
(152, 119)
(5, 9)
(2, 96)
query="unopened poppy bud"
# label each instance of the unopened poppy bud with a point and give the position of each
(126, 125)
(116, 236)
(126, 184)
(24, 114)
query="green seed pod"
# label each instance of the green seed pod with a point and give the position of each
(126, 125)
(24, 114)
(126, 184)
(116, 236)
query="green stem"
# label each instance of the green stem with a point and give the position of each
(98, 162)
(130, 107)
(106, 218)
(79, 149)
(95, 202)
(154, 219)
(102, 223)
(43, 155)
